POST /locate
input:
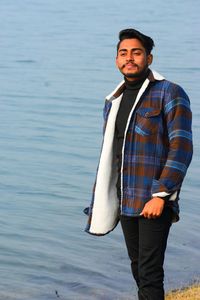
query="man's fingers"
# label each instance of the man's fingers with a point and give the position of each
(150, 214)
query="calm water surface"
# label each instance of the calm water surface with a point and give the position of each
(56, 66)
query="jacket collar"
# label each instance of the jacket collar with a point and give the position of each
(153, 76)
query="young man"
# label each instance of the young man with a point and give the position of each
(146, 150)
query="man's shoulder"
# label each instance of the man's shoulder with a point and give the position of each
(170, 87)
(160, 80)
(116, 92)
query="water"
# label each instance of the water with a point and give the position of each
(56, 66)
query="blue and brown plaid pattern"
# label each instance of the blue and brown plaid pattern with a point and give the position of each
(158, 145)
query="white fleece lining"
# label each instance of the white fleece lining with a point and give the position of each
(106, 202)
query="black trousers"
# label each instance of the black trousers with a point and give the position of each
(146, 241)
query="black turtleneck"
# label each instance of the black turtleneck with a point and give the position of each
(130, 93)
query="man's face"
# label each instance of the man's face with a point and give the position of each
(132, 59)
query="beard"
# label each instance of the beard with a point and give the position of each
(136, 74)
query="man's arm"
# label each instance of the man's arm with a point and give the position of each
(178, 118)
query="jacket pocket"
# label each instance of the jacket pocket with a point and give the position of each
(148, 121)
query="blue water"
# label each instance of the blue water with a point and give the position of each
(57, 63)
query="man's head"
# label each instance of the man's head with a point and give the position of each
(133, 53)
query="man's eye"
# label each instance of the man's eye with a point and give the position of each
(123, 54)
(137, 53)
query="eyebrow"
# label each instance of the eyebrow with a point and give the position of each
(133, 49)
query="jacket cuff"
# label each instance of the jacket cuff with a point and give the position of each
(159, 187)
(166, 196)
(160, 190)
(161, 194)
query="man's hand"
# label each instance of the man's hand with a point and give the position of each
(153, 208)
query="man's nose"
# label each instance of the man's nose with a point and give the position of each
(129, 57)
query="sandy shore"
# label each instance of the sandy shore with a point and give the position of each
(189, 293)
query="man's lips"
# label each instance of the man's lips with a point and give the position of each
(130, 66)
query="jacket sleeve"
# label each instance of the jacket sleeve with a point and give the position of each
(178, 119)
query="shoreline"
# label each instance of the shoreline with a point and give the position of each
(185, 293)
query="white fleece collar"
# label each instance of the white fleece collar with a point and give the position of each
(155, 74)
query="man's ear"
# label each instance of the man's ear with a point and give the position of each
(149, 59)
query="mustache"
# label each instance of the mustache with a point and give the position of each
(130, 62)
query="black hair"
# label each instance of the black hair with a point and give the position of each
(145, 40)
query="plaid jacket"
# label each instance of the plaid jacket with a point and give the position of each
(156, 153)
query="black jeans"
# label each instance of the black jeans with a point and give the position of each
(146, 241)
